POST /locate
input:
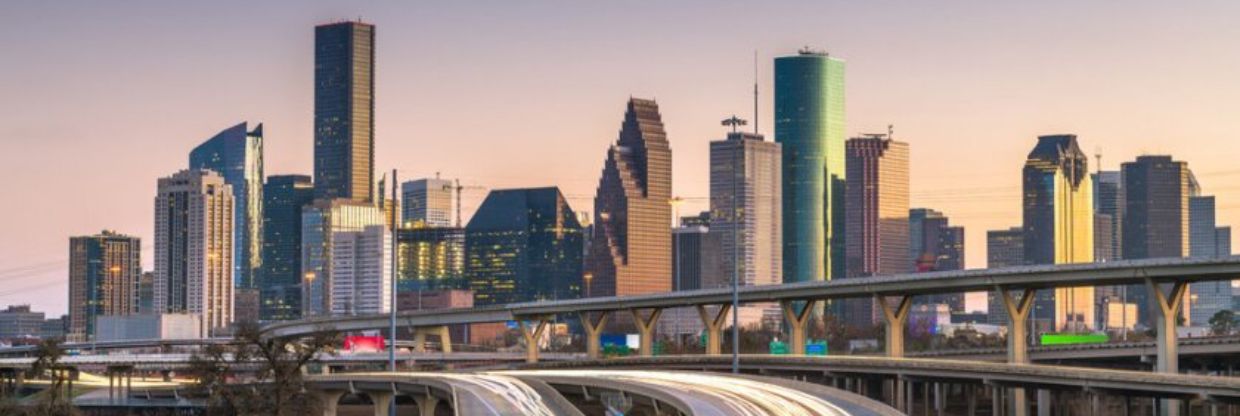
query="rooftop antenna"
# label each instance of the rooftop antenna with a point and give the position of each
(891, 131)
(755, 92)
(734, 122)
(1098, 157)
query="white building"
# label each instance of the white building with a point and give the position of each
(428, 201)
(320, 223)
(194, 248)
(361, 270)
(144, 327)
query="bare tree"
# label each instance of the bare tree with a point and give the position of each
(274, 383)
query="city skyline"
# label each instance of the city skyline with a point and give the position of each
(691, 123)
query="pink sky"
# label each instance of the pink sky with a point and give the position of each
(99, 100)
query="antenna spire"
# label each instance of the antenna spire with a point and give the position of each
(755, 92)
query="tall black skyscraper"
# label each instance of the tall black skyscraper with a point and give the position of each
(344, 109)
(524, 245)
(280, 280)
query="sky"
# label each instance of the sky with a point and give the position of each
(99, 99)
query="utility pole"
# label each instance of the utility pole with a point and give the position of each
(392, 316)
(737, 176)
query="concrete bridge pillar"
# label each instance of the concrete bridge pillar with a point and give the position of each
(646, 328)
(896, 320)
(1165, 305)
(382, 402)
(1017, 339)
(441, 331)
(593, 329)
(713, 323)
(796, 321)
(532, 335)
(329, 400)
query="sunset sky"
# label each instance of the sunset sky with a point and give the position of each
(99, 99)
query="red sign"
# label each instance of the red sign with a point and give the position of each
(362, 343)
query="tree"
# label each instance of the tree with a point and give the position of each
(277, 387)
(1223, 322)
(54, 400)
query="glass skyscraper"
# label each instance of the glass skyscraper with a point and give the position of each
(344, 109)
(1156, 217)
(237, 154)
(280, 280)
(809, 124)
(321, 222)
(104, 279)
(524, 245)
(876, 221)
(1059, 227)
(430, 258)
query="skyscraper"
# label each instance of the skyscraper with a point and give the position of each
(935, 245)
(104, 279)
(1059, 226)
(280, 282)
(632, 243)
(237, 155)
(876, 216)
(194, 248)
(361, 271)
(430, 258)
(696, 252)
(1206, 298)
(344, 110)
(809, 124)
(1109, 201)
(524, 245)
(1156, 217)
(321, 222)
(427, 201)
(1004, 248)
(745, 211)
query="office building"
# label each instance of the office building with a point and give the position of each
(935, 245)
(1004, 248)
(1109, 202)
(321, 222)
(361, 271)
(55, 328)
(524, 245)
(632, 244)
(17, 321)
(389, 204)
(1156, 218)
(1206, 298)
(104, 279)
(876, 217)
(146, 292)
(1059, 227)
(430, 258)
(745, 208)
(280, 282)
(236, 154)
(428, 202)
(809, 124)
(696, 252)
(194, 248)
(344, 111)
(149, 326)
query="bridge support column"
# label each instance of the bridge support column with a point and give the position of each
(1017, 339)
(593, 329)
(445, 338)
(796, 321)
(646, 327)
(1166, 305)
(713, 323)
(330, 400)
(896, 320)
(382, 402)
(532, 336)
(426, 404)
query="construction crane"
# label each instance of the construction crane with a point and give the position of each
(456, 187)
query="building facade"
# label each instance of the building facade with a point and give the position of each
(321, 222)
(745, 208)
(1004, 248)
(236, 154)
(280, 280)
(524, 245)
(427, 202)
(936, 245)
(632, 241)
(104, 279)
(809, 124)
(1206, 298)
(17, 321)
(1156, 216)
(876, 225)
(194, 248)
(430, 258)
(361, 271)
(344, 111)
(696, 263)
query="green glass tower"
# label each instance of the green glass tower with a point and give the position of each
(809, 124)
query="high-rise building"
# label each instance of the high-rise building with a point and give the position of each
(280, 282)
(1059, 227)
(427, 201)
(696, 252)
(935, 245)
(1222, 237)
(745, 201)
(1109, 201)
(524, 245)
(389, 205)
(321, 222)
(361, 271)
(632, 244)
(1206, 298)
(1156, 217)
(1004, 248)
(17, 321)
(430, 258)
(809, 124)
(344, 111)
(194, 248)
(237, 155)
(104, 279)
(876, 216)
(1202, 231)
